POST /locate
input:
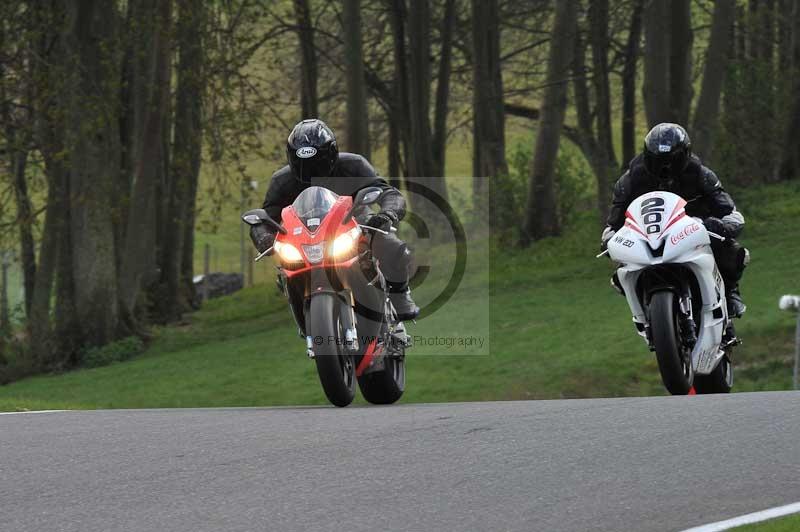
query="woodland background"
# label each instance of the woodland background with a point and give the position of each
(132, 130)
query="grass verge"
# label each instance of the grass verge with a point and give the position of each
(556, 330)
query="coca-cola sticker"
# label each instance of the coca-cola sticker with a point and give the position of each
(688, 230)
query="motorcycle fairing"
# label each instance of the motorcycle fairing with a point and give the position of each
(658, 232)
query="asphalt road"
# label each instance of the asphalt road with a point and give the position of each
(662, 463)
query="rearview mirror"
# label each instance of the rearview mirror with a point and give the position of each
(259, 216)
(365, 196)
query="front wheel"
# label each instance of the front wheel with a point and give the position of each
(718, 381)
(674, 361)
(335, 367)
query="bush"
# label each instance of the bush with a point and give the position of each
(114, 352)
(574, 182)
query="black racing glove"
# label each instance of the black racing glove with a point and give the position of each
(382, 220)
(715, 225)
(262, 238)
(608, 234)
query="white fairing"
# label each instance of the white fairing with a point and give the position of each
(658, 231)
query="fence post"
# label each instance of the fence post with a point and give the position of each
(5, 323)
(793, 303)
(206, 268)
(250, 262)
(796, 352)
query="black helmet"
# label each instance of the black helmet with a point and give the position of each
(667, 150)
(311, 149)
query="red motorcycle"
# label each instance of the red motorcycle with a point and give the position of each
(338, 295)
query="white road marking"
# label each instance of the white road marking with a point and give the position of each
(30, 412)
(756, 517)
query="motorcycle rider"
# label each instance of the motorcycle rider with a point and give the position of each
(667, 163)
(314, 160)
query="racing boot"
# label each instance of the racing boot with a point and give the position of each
(736, 306)
(400, 296)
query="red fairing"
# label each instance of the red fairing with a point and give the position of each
(298, 235)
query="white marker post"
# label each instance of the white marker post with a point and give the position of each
(793, 303)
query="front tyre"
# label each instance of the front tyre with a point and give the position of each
(674, 362)
(335, 367)
(718, 381)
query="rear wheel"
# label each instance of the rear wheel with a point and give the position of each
(385, 387)
(335, 367)
(718, 381)
(674, 361)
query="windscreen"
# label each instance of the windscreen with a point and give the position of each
(313, 204)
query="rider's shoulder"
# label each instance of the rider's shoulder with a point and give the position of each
(353, 164)
(282, 173)
(707, 176)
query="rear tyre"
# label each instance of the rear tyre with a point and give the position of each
(718, 381)
(336, 370)
(387, 386)
(674, 362)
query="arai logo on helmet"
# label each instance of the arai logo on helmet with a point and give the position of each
(306, 152)
(664, 148)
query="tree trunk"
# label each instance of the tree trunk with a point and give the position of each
(629, 83)
(716, 66)
(186, 158)
(67, 323)
(489, 157)
(784, 23)
(309, 101)
(16, 127)
(19, 160)
(541, 217)
(680, 65)
(443, 88)
(419, 83)
(393, 148)
(790, 157)
(656, 60)
(151, 79)
(39, 322)
(48, 131)
(397, 19)
(420, 161)
(357, 117)
(94, 154)
(608, 167)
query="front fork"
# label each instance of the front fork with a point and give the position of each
(686, 319)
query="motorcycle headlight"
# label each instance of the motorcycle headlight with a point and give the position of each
(288, 253)
(345, 244)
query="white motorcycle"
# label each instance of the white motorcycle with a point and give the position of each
(676, 293)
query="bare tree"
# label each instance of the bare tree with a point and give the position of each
(680, 60)
(309, 101)
(656, 62)
(629, 82)
(151, 80)
(707, 111)
(790, 156)
(541, 216)
(93, 143)
(596, 142)
(489, 158)
(357, 118)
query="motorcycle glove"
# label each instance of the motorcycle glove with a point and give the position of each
(382, 220)
(608, 234)
(715, 225)
(262, 238)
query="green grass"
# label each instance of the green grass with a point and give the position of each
(556, 330)
(783, 524)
